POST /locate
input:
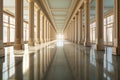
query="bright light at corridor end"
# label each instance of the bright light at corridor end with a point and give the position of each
(60, 38)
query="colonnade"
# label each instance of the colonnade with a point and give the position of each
(78, 28)
(45, 30)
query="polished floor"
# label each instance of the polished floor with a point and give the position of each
(59, 60)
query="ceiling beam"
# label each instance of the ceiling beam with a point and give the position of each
(60, 10)
(105, 7)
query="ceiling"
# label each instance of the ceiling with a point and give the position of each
(59, 11)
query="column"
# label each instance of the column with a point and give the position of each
(18, 45)
(87, 25)
(74, 30)
(38, 27)
(31, 23)
(76, 27)
(45, 24)
(42, 28)
(1, 29)
(80, 26)
(47, 31)
(116, 28)
(99, 26)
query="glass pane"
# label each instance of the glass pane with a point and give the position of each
(109, 34)
(5, 18)
(4, 34)
(12, 20)
(105, 33)
(93, 35)
(12, 34)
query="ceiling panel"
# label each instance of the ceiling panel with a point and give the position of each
(59, 13)
(59, 4)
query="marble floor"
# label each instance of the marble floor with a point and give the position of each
(59, 60)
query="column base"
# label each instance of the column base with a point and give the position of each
(18, 46)
(116, 51)
(31, 44)
(82, 43)
(2, 52)
(38, 42)
(99, 47)
(87, 44)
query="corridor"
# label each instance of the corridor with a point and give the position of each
(59, 61)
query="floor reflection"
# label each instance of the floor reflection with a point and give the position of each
(26, 65)
(84, 63)
(88, 64)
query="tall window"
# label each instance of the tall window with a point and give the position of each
(5, 26)
(93, 31)
(108, 26)
(12, 29)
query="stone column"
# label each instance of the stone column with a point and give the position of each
(74, 30)
(1, 29)
(38, 27)
(45, 24)
(18, 45)
(87, 24)
(47, 31)
(99, 25)
(80, 26)
(116, 28)
(75, 24)
(31, 23)
(42, 27)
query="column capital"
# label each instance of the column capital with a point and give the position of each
(31, 0)
(86, 1)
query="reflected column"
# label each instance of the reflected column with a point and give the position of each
(116, 28)
(1, 68)
(31, 23)
(116, 71)
(31, 66)
(1, 29)
(18, 45)
(99, 66)
(19, 68)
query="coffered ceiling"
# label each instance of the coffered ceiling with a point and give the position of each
(59, 11)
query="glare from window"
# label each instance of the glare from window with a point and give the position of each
(60, 39)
